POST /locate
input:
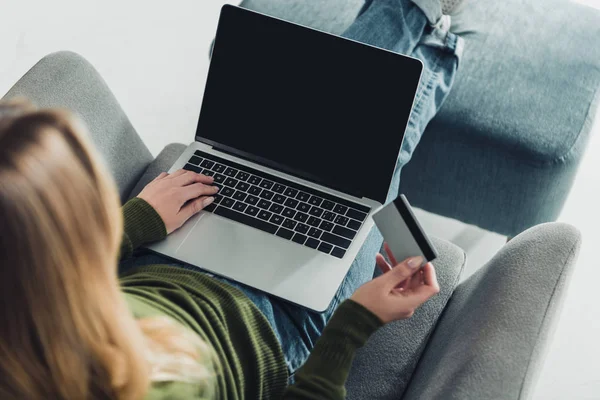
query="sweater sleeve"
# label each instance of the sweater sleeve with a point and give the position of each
(141, 224)
(324, 374)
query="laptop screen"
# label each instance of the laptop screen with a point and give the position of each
(327, 109)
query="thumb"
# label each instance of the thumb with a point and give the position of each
(404, 270)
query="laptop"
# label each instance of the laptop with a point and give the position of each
(301, 131)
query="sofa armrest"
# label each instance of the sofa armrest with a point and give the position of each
(490, 341)
(67, 80)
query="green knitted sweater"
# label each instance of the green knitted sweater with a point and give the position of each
(252, 365)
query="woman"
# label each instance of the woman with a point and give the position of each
(72, 329)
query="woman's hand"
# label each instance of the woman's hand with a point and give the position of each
(400, 290)
(178, 196)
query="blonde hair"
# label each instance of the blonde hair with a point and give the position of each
(66, 331)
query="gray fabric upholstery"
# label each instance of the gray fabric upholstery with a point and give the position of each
(382, 369)
(67, 80)
(520, 109)
(163, 162)
(491, 338)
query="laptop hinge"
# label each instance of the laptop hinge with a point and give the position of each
(280, 167)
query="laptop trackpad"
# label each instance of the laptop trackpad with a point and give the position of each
(247, 255)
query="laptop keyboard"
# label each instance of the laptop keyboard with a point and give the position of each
(291, 211)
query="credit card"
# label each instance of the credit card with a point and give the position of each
(402, 232)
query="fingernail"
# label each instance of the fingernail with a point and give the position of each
(415, 262)
(216, 188)
(208, 201)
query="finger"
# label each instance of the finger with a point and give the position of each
(194, 207)
(414, 282)
(383, 265)
(390, 255)
(177, 173)
(160, 176)
(189, 177)
(430, 277)
(196, 190)
(403, 270)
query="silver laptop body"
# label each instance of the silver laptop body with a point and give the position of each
(276, 265)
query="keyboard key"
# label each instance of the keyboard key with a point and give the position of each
(291, 203)
(290, 192)
(195, 160)
(298, 238)
(242, 176)
(239, 195)
(264, 214)
(207, 164)
(359, 215)
(313, 221)
(255, 190)
(265, 184)
(198, 153)
(246, 219)
(285, 233)
(278, 188)
(302, 228)
(227, 191)
(230, 172)
(337, 252)
(193, 168)
(265, 194)
(312, 243)
(353, 224)
(326, 226)
(301, 217)
(251, 210)
(239, 206)
(328, 205)
(276, 219)
(219, 168)
(278, 199)
(243, 186)
(314, 232)
(255, 180)
(265, 204)
(210, 208)
(337, 240)
(345, 232)
(341, 220)
(276, 208)
(304, 207)
(315, 201)
(227, 202)
(220, 178)
(325, 247)
(340, 209)
(289, 223)
(208, 172)
(230, 182)
(328, 215)
(303, 196)
(218, 199)
(316, 211)
(252, 200)
(288, 212)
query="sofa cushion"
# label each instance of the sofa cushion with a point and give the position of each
(503, 151)
(383, 368)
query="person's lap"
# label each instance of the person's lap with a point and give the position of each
(396, 25)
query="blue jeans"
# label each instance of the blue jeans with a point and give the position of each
(400, 26)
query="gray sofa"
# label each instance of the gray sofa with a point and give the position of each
(481, 339)
(504, 149)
